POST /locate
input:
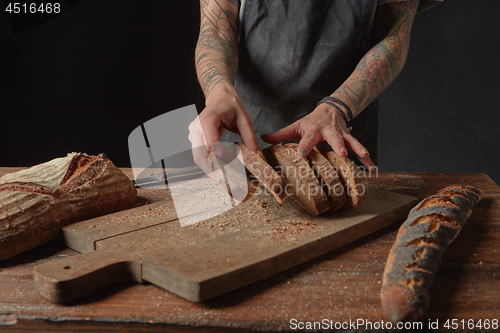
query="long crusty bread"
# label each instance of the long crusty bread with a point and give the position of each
(351, 176)
(301, 182)
(37, 202)
(327, 176)
(417, 252)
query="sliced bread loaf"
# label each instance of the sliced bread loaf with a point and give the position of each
(264, 173)
(351, 176)
(327, 176)
(301, 182)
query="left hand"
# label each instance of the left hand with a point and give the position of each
(323, 124)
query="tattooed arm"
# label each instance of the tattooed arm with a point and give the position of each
(380, 66)
(216, 60)
(216, 66)
(217, 47)
(374, 73)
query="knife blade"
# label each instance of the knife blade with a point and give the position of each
(170, 176)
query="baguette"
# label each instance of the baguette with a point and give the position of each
(37, 202)
(301, 181)
(417, 252)
(352, 178)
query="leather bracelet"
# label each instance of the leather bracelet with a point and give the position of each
(347, 122)
(336, 100)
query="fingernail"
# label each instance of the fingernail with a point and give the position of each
(303, 151)
(364, 151)
(261, 155)
(343, 150)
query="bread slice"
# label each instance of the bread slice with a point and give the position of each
(351, 176)
(301, 181)
(264, 173)
(327, 176)
(232, 176)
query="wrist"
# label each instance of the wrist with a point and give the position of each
(342, 109)
(347, 101)
(222, 90)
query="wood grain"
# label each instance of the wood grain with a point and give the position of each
(340, 285)
(251, 242)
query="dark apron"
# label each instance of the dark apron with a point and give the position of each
(293, 53)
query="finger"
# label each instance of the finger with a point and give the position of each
(336, 141)
(201, 158)
(196, 136)
(222, 152)
(355, 146)
(288, 133)
(200, 155)
(199, 148)
(210, 127)
(368, 163)
(359, 151)
(308, 141)
(247, 133)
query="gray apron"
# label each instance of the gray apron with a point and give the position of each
(293, 53)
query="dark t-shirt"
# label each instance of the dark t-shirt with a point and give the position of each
(294, 53)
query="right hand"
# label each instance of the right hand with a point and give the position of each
(223, 111)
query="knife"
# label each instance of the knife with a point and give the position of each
(170, 176)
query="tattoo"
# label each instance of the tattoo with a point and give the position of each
(216, 54)
(381, 65)
(220, 19)
(234, 2)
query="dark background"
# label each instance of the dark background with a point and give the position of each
(83, 80)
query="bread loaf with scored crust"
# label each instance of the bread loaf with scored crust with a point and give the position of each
(420, 244)
(36, 203)
(352, 178)
(327, 176)
(301, 182)
(264, 173)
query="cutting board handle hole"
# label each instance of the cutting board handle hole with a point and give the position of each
(66, 267)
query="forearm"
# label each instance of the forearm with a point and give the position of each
(216, 55)
(382, 64)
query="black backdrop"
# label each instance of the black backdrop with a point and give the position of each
(84, 80)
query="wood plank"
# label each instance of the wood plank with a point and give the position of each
(192, 195)
(199, 262)
(228, 262)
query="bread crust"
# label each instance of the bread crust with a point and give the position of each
(351, 176)
(266, 175)
(418, 249)
(301, 181)
(36, 203)
(328, 177)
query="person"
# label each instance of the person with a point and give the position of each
(273, 71)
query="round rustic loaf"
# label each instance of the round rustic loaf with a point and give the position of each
(36, 203)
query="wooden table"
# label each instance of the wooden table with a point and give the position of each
(341, 286)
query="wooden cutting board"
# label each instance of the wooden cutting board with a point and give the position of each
(251, 242)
